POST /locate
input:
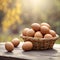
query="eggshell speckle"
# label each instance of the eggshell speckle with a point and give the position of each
(53, 33)
(44, 29)
(48, 36)
(15, 42)
(25, 31)
(45, 24)
(35, 26)
(30, 33)
(9, 46)
(27, 46)
(38, 34)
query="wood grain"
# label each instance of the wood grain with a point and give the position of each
(19, 54)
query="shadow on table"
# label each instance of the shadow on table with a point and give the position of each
(10, 58)
(34, 53)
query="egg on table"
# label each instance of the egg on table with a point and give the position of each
(15, 42)
(35, 26)
(27, 46)
(9, 46)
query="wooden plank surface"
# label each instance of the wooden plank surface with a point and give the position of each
(19, 54)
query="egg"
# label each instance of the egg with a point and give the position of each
(45, 24)
(30, 33)
(15, 42)
(48, 36)
(35, 26)
(9, 46)
(44, 29)
(25, 31)
(27, 46)
(53, 33)
(38, 34)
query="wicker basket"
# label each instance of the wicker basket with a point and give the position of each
(40, 43)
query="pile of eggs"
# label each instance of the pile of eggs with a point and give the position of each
(37, 30)
(9, 46)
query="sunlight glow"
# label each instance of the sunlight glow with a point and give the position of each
(41, 3)
(37, 4)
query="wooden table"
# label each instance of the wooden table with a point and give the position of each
(19, 54)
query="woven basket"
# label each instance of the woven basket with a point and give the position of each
(40, 43)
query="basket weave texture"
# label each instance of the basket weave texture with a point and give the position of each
(40, 43)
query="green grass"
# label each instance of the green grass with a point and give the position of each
(9, 37)
(6, 37)
(58, 41)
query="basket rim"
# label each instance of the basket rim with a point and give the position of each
(34, 38)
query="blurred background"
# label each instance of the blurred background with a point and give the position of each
(15, 15)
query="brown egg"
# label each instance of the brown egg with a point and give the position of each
(53, 33)
(27, 46)
(38, 34)
(9, 46)
(44, 30)
(45, 24)
(25, 31)
(35, 26)
(48, 36)
(15, 42)
(30, 33)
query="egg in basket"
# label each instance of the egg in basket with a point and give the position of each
(40, 35)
